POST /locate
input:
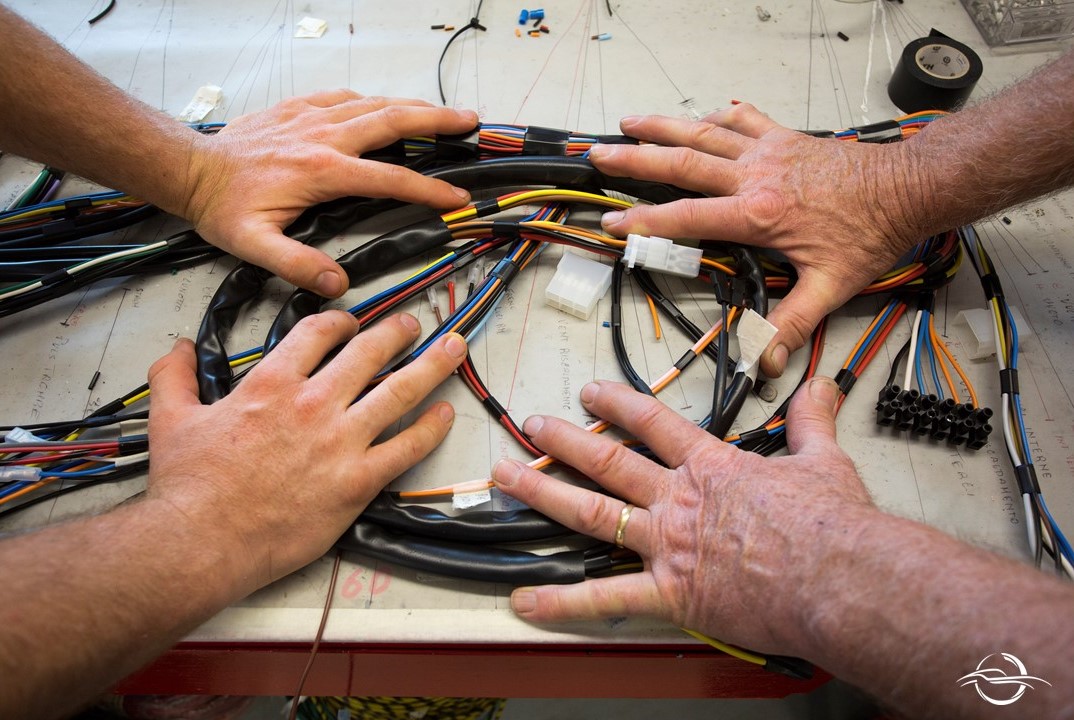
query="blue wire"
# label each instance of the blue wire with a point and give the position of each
(1064, 545)
(872, 334)
(932, 356)
(79, 473)
(917, 360)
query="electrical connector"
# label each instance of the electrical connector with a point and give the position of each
(21, 435)
(928, 415)
(662, 255)
(19, 473)
(577, 285)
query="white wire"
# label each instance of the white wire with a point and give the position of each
(1031, 530)
(913, 352)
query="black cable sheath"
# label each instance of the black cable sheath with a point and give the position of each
(498, 565)
(478, 526)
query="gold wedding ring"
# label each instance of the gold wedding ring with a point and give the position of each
(620, 528)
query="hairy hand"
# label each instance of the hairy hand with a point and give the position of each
(278, 469)
(724, 534)
(831, 207)
(262, 170)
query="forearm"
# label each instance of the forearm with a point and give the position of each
(1006, 150)
(56, 110)
(903, 611)
(85, 603)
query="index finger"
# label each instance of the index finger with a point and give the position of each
(391, 122)
(370, 178)
(672, 437)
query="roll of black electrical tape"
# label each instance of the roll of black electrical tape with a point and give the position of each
(934, 73)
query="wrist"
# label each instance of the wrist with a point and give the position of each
(905, 195)
(825, 562)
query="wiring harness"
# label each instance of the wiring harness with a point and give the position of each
(494, 241)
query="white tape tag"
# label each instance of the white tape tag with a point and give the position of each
(309, 27)
(205, 99)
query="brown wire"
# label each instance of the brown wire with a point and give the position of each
(317, 640)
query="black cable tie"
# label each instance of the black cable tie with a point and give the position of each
(133, 444)
(474, 23)
(740, 291)
(845, 379)
(1008, 381)
(686, 359)
(751, 435)
(722, 286)
(990, 285)
(545, 141)
(487, 207)
(77, 203)
(926, 301)
(505, 271)
(884, 131)
(1026, 476)
(818, 133)
(493, 406)
(458, 148)
(55, 278)
(615, 140)
(504, 229)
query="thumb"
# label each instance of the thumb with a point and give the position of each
(796, 316)
(298, 264)
(172, 382)
(811, 418)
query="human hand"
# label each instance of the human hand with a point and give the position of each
(253, 178)
(839, 211)
(725, 535)
(276, 471)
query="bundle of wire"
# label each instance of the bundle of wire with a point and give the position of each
(1043, 533)
(494, 252)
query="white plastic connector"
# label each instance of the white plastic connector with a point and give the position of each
(577, 285)
(753, 333)
(21, 435)
(661, 255)
(19, 473)
(976, 331)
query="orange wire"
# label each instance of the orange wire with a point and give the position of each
(961, 374)
(656, 318)
(935, 340)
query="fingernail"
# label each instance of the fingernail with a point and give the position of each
(506, 472)
(463, 194)
(523, 601)
(470, 115)
(329, 284)
(630, 120)
(533, 425)
(824, 391)
(446, 412)
(409, 322)
(455, 346)
(600, 151)
(779, 358)
(611, 218)
(589, 392)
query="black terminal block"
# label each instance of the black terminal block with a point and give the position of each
(941, 420)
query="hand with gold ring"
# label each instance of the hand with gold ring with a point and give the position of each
(718, 529)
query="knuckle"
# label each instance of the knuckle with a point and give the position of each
(767, 209)
(592, 513)
(605, 459)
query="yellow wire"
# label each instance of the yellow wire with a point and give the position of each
(729, 649)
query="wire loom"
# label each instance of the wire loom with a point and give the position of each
(470, 545)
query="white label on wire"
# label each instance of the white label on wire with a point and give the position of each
(205, 99)
(309, 27)
(466, 500)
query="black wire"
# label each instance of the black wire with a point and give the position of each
(618, 345)
(719, 385)
(899, 357)
(99, 16)
(474, 24)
